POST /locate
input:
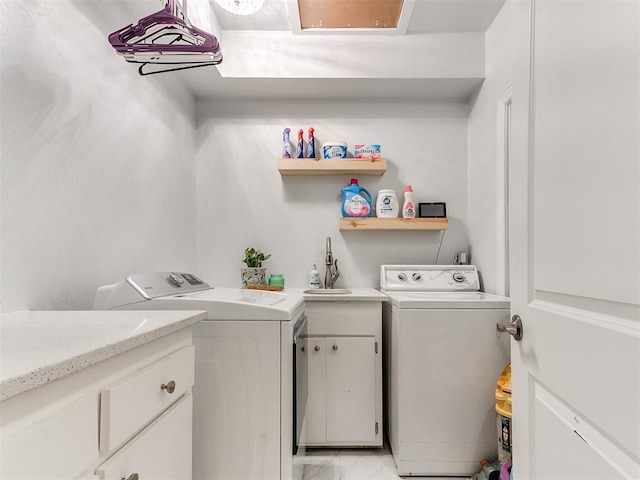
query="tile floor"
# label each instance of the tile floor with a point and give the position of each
(352, 464)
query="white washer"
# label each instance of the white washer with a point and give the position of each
(244, 393)
(443, 357)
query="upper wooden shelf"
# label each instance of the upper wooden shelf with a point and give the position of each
(337, 166)
(374, 223)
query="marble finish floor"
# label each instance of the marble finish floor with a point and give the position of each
(352, 464)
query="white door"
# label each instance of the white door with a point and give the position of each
(575, 244)
(351, 389)
(341, 406)
(316, 411)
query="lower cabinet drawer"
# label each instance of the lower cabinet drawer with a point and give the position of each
(133, 402)
(160, 451)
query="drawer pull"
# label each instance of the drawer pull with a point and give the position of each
(335, 348)
(133, 476)
(169, 387)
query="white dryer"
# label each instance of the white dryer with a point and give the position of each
(250, 381)
(442, 359)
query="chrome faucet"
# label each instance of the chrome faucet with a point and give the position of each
(331, 265)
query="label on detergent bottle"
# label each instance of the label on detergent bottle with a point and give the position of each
(356, 206)
(387, 204)
(505, 434)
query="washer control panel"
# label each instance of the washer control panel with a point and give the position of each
(162, 284)
(429, 278)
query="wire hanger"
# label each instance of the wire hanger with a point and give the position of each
(166, 41)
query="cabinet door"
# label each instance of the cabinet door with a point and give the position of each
(161, 451)
(316, 411)
(41, 450)
(351, 389)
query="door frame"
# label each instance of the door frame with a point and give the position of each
(503, 233)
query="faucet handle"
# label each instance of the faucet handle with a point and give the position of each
(334, 272)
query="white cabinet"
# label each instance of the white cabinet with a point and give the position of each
(341, 406)
(344, 406)
(73, 427)
(60, 443)
(160, 451)
(316, 409)
(129, 404)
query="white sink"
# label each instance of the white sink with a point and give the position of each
(328, 291)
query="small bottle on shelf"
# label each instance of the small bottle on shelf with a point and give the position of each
(408, 208)
(286, 145)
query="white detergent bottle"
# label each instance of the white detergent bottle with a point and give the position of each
(409, 208)
(387, 204)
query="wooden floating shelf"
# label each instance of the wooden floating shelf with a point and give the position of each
(374, 223)
(339, 166)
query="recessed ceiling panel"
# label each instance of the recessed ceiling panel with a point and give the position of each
(349, 13)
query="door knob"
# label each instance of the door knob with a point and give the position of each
(335, 348)
(514, 327)
(316, 348)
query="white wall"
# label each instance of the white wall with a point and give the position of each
(97, 162)
(272, 54)
(243, 201)
(483, 150)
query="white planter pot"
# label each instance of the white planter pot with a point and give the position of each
(254, 276)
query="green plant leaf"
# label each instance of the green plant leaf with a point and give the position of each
(254, 258)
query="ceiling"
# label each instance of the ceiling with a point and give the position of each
(428, 19)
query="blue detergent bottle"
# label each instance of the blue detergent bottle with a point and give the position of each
(356, 200)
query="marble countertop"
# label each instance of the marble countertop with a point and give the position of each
(357, 294)
(39, 347)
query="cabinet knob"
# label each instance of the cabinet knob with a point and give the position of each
(133, 476)
(335, 348)
(316, 348)
(169, 387)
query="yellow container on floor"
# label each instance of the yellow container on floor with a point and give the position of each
(503, 409)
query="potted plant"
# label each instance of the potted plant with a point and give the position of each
(253, 273)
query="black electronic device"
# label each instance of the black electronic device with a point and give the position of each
(432, 210)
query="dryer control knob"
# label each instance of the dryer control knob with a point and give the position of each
(458, 277)
(416, 277)
(175, 280)
(402, 277)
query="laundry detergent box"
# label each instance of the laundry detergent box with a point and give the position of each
(367, 151)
